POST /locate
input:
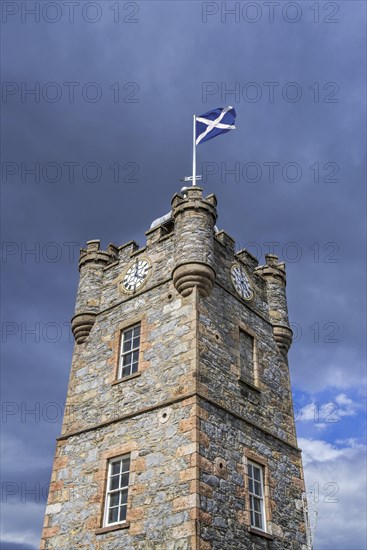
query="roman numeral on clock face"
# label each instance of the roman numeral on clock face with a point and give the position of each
(136, 275)
(241, 282)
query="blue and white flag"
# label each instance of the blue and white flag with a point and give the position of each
(215, 122)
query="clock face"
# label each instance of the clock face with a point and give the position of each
(241, 282)
(135, 276)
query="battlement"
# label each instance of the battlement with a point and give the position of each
(248, 258)
(186, 241)
(191, 198)
(94, 255)
(273, 270)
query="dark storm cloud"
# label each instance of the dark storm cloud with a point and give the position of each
(169, 65)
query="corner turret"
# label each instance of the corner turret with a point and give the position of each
(275, 276)
(91, 264)
(194, 219)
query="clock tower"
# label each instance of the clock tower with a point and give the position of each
(178, 430)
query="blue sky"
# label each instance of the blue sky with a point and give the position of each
(107, 133)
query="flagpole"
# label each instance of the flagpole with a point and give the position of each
(194, 151)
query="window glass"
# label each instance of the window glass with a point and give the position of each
(129, 351)
(256, 494)
(117, 490)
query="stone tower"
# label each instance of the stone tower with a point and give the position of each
(178, 431)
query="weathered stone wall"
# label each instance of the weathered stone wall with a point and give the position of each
(226, 440)
(162, 494)
(166, 367)
(188, 484)
(222, 315)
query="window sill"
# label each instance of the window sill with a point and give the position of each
(111, 528)
(254, 531)
(248, 384)
(135, 375)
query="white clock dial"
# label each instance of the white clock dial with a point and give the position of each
(241, 282)
(136, 275)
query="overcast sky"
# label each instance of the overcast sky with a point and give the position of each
(97, 152)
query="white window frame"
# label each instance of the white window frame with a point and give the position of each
(125, 353)
(119, 490)
(253, 496)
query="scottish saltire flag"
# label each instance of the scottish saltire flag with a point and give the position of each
(215, 122)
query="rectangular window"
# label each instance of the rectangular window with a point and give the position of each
(247, 356)
(256, 494)
(129, 353)
(117, 489)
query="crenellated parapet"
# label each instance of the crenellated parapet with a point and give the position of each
(194, 219)
(93, 255)
(91, 263)
(275, 276)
